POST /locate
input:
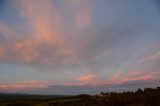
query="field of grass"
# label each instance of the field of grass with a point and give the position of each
(146, 97)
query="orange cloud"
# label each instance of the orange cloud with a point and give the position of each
(24, 85)
(85, 79)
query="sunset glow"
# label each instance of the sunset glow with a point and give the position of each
(82, 44)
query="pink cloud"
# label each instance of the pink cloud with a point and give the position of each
(24, 85)
(82, 18)
(81, 12)
(133, 75)
(46, 23)
(85, 78)
(40, 20)
(118, 78)
(2, 50)
(150, 58)
(5, 30)
(88, 79)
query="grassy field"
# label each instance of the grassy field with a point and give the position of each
(146, 97)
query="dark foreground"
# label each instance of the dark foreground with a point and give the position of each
(146, 97)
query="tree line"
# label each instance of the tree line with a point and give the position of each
(145, 97)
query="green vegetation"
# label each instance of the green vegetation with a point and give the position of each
(146, 97)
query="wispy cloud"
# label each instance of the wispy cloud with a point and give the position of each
(103, 55)
(84, 41)
(81, 12)
(24, 85)
(47, 34)
(132, 75)
(149, 58)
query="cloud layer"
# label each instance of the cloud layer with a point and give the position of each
(24, 85)
(86, 42)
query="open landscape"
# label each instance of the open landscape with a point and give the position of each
(79, 52)
(146, 97)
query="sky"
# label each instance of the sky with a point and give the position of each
(79, 46)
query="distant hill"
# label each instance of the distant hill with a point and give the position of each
(146, 97)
